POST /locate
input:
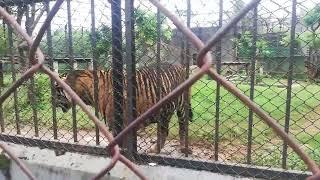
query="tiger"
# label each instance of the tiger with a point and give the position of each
(170, 76)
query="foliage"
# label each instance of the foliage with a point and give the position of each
(245, 46)
(146, 27)
(3, 41)
(146, 35)
(312, 39)
(103, 35)
(80, 41)
(41, 93)
(306, 38)
(4, 162)
(312, 19)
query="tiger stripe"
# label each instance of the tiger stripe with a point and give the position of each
(169, 76)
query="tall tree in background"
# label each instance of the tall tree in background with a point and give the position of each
(146, 33)
(3, 42)
(146, 39)
(312, 20)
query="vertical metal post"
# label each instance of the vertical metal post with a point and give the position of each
(13, 71)
(71, 65)
(252, 78)
(117, 67)
(289, 85)
(1, 85)
(131, 73)
(218, 66)
(186, 93)
(95, 65)
(158, 90)
(1, 114)
(1, 69)
(53, 91)
(31, 90)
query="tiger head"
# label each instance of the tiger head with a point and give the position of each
(63, 99)
(80, 82)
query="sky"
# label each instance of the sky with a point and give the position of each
(204, 12)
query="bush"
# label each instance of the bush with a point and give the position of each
(42, 91)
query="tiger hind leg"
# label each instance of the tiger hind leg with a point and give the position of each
(182, 131)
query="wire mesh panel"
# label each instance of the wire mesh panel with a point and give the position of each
(121, 58)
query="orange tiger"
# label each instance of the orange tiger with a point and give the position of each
(81, 81)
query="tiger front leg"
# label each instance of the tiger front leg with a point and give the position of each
(164, 131)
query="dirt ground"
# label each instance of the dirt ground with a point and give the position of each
(201, 150)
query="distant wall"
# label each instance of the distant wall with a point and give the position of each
(280, 65)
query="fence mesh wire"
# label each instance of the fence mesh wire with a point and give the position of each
(271, 55)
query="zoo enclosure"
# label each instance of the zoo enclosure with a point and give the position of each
(44, 140)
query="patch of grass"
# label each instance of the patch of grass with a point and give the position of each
(233, 116)
(4, 162)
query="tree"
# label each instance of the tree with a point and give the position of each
(146, 38)
(312, 19)
(307, 38)
(245, 46)
(146, 34)
(3, 42)
(104, 36)
(146, 27)
(81, 43)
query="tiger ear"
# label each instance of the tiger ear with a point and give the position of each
(63, 76)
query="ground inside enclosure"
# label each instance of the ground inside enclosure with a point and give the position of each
(270, 94)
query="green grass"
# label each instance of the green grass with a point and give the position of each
(233, 117)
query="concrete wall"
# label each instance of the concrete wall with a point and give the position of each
(47, 166)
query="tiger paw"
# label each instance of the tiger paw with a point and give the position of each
(185, 150)
(153, 149)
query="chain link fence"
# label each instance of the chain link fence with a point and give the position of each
(123, 59)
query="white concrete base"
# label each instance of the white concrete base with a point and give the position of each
(45, 165)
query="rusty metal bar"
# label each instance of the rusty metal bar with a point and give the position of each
(290, 78)
(71, 65)
(95, 65)
(18, 161)
(131, 74)
(114, 160)
(252, 81)
(46, 25)
(19, 82)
